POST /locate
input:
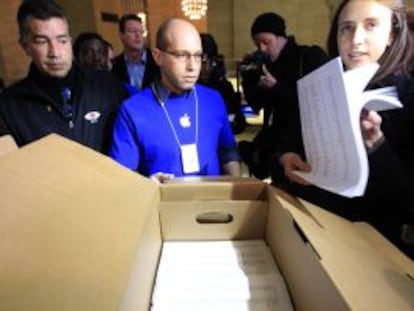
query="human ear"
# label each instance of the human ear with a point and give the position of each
(156, 54)
(25, 46)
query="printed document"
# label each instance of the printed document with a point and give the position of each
(331, 102)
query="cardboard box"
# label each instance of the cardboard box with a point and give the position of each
(80, 232)
(7, 144)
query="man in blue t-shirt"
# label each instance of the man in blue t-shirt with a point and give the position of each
(176, 127)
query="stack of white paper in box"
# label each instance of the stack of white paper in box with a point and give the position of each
(219, 275)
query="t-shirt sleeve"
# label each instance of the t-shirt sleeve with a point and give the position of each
(124, 148)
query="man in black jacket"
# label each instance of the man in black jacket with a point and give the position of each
(269, 79)
(135, 66)
(57, 96)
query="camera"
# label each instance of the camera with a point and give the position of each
(254, 62)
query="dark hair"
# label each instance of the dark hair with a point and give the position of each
(83, 38)
(398, 57)
(38, 9)
(269, 22)
(209, 45)
(410, 18)
(125, 18)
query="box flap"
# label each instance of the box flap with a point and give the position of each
(213, 188)
(213, 220)
(7, 144)
(367, 278)
(386, 247)
(70, 222)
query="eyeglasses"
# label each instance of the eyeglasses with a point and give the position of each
(131, 31)
(183, 56)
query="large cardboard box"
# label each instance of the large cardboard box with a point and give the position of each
(80, 232)
(7, 144)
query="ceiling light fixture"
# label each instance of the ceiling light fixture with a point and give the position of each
(194, 9)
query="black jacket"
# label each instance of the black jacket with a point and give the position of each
(388, 202)
(281, 125)
(151, 69)
(33, 107)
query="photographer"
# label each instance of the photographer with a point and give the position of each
(269, 78)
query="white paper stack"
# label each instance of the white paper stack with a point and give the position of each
(219, 275)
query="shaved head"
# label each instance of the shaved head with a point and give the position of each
(178, 53)
(172, 30)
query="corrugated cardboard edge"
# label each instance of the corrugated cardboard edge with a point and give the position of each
(72, 231)
(310, 286)
(7, 144)
(213, 188)
(364, 273)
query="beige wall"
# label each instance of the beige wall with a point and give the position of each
(13, 61)
(230, 21)
(109, 30)
(85, 15)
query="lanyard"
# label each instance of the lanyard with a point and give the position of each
(167, 115)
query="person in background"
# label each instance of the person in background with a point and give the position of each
(135, 66)
(213, 74)
(176, 127)
(364, 32)
(57, 96)
(110, 54)
(90, 50)
(269, 77)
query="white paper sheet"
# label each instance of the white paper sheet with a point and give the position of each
(219, 275)
(330, 106)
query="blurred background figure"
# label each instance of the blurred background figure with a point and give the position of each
(213, 75)
(135, 66)
(110, 53)
(269, 76)
(90, 50)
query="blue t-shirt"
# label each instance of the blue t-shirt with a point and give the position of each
(144, 139)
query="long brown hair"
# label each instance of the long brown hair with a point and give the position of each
(398, 57)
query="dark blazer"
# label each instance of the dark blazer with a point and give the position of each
(151, 69)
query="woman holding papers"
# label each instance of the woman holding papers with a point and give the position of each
(364, 32)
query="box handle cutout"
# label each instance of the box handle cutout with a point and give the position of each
(214, 218)
(305, 239)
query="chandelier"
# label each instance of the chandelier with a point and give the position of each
(194, 9)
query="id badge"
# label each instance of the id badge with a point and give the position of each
(189, 158)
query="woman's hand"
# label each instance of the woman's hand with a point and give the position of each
(293, 162)
(371, 129)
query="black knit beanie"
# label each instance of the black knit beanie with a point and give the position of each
(269, 22)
